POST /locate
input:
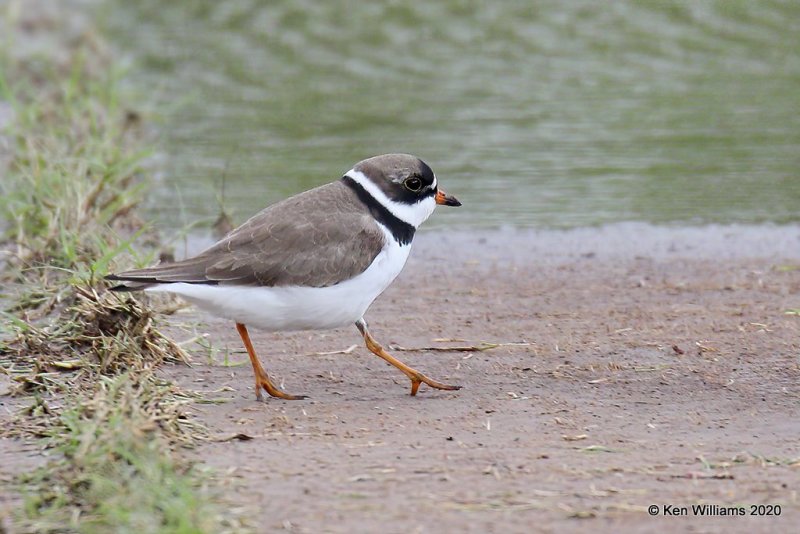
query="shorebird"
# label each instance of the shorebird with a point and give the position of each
(314, 261)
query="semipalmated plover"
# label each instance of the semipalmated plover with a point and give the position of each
(313, 261)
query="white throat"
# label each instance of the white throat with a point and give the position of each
(413, 214)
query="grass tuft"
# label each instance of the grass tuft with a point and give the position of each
(72, 180)
(100, 334)
(115, 471)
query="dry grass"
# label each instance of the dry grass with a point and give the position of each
(100, 334)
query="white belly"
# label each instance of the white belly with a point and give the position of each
(299, 308)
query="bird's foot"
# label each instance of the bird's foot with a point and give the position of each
(263, 382)
(418, 378)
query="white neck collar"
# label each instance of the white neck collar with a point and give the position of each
(413, 214)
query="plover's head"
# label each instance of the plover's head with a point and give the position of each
(404, 184)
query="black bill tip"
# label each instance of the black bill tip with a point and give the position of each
(444, 199)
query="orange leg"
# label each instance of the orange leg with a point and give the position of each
(262, 378)
(415, 376)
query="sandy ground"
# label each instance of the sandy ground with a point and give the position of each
(650, 366)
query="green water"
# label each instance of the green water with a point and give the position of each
(546, 114)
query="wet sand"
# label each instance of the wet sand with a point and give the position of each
(646, 366)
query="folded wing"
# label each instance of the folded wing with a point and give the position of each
(318, 238)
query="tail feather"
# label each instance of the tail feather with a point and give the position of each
(128, 286)
(191, 271)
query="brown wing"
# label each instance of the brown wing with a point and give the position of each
(294, 242)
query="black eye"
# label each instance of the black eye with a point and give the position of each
(413, 184)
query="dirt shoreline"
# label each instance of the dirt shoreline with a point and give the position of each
(652, 365)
